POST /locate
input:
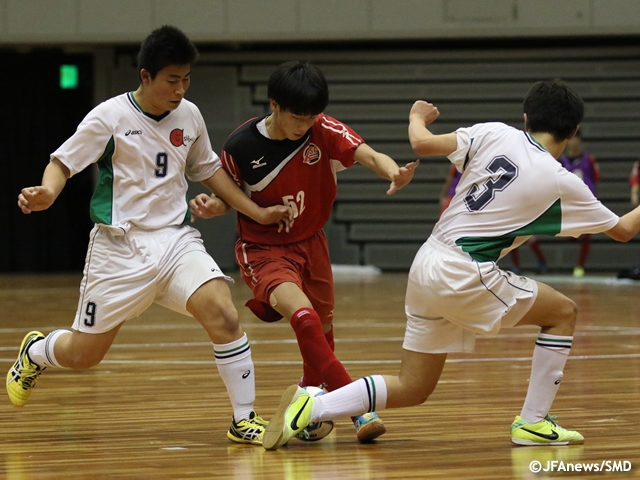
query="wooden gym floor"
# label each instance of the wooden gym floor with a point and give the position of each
(156, 408)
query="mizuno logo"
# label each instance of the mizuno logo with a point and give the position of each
(246, 374)
(133, 132)
(552, 436)
(294, 422)
(257, 164)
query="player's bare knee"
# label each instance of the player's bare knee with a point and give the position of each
(566, 316)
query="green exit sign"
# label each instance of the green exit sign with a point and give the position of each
(68, 76)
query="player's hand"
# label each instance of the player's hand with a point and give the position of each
(206, 206)
(403, 177)
(35, 199)
(424, 111)
(280, 214)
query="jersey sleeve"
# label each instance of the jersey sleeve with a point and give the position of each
(468, 141)
(340, 140)
(202, 161)
(90, 140)
(582, 212)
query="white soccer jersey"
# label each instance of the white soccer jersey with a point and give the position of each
(142, 160)
(512, 188)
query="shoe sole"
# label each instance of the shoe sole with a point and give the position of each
(531, 443)
(371, 432)
(274, 435)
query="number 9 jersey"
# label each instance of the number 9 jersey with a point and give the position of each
(142, 160)
(299, 173)
(512, 188)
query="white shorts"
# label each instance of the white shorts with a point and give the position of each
(451, 297)
(125, 274)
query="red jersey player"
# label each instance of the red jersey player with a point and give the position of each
(291, 157)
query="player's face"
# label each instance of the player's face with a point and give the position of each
(289, 125)
(167, 89)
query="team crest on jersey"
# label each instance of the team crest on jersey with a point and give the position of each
(177, 137)
(311, 154)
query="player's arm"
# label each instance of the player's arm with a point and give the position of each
(36, 199)
(423, 142)
(385, 167)
(225, 189)
(627, 227)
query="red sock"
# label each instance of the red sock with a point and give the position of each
(316, 351)
(309, 377)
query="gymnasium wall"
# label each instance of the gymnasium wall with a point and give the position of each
(476, 57)
(122, 21)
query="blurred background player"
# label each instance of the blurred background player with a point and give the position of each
(634, 181)
(140, 251)
(584, 165)
(291, 157)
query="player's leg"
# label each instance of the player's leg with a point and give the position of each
(317, 278)
(419, 375)
(556, 315)
(515, 261)
(534, 245)
(585, 247)
(289, 299)
(114, 288)
(190, 282)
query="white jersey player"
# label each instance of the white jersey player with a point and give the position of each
(511, 187)
(140, 250)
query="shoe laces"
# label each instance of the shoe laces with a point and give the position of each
(551, 419)
(28, 375)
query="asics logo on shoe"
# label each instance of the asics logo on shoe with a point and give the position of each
(294, 422)
(552, 436)
(557, 382)
(246, 374)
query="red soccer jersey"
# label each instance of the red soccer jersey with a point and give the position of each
(300, 173)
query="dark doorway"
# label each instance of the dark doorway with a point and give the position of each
(42, 109)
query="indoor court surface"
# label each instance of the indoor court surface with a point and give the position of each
(156, 408)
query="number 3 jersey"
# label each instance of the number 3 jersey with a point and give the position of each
(300, 173)
(142, 160)
(512, 188)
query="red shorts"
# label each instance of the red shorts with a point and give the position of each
(306, 263)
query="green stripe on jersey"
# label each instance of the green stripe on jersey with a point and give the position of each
(487, 249)
(101, 206)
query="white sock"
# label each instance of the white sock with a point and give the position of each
(235, 366)
(367, 394)
(42, 352)
(549, 358)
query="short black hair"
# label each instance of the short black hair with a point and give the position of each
(553, 107)
(165, 46)
(299, 88)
